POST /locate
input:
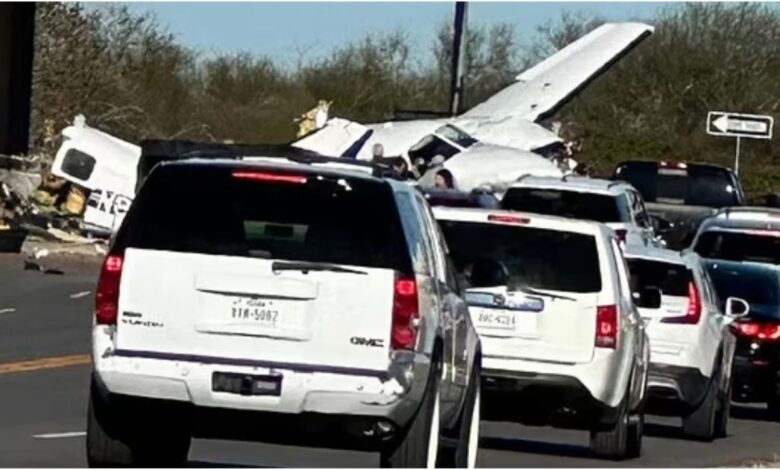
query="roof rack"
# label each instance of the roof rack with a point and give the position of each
(154, 152)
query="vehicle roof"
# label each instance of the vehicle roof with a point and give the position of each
(665, 255)
(672, 163)
(334, 169)
(743, 217)
(574, 183)
(548, 222)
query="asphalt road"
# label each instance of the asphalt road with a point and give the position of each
(44, 375)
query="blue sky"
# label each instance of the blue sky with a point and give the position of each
(282, 29)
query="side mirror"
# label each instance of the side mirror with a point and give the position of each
(648, 297)
(736, 307)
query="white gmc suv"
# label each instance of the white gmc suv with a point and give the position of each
(562, 342)
(691, 345)
(279, 301)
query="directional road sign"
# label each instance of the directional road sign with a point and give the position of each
(751, 126)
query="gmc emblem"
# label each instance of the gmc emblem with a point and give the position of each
(370, 342)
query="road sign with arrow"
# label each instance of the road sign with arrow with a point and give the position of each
(751, 126)
(740, 125)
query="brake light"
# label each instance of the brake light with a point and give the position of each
(405, 315)
(606, 326)
(510, 219)
(621, 235)
(693, 313)
(107, 295)
(269, 177)
(766, 331)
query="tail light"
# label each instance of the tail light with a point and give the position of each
(763, 331)
(606, 326)
(621, 235)
(693, 313)
(269, 177)
(405, 314)
(107, 297)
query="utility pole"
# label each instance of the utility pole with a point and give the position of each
(458, 49)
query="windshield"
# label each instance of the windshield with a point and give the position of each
(456, 135)
(758, 286)
(671, 279)
(209, 210)
(754, 246)
(490, 255)
(694, 185)
(603, 208)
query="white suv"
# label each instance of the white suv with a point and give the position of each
(562, 341)
(614, 203)
(692, 347)
(282, 302)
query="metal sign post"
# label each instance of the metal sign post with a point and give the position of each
(752, 126)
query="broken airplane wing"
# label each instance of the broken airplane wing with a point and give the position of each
(545, 87)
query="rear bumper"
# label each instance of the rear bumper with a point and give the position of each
(543, 399)
(669, 387)
(393, 396)
(312, 429)
(754, 380)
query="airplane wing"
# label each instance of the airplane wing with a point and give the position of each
(544, 88)
(338, 138)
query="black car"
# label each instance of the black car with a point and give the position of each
(757, 357)
(680, 195)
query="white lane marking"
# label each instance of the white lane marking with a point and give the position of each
(7, 310)
(60, 435)
(79, 295)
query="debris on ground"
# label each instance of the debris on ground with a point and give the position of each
(34, 203)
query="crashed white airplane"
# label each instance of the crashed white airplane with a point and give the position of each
(498, 140)
(494, 143)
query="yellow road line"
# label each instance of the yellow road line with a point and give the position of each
(46, 363)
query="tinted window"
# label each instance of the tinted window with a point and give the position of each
(759, 287)
(530, 257)
(208, 210)
(671, 279)
(78, 164)
(695, 185)
(739, 246)
(597, 207)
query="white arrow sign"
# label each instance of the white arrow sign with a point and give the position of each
(740, 125)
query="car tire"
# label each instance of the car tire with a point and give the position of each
(418, 445)
(723, 413)
(701, 423)
(773, 407)
(623, 440)
(463, 452)
(163, 446)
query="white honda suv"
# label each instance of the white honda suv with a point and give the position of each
(562, 342)
(691, 344)
(278, 301)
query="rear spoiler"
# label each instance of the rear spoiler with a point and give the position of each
(154, 152)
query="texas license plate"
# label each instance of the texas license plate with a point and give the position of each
(497, 320)
(266, 313)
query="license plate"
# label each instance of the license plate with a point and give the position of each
(266, 313)
(245, 384)
(497, 320)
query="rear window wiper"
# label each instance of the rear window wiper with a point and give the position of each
(531, 291)
(306, 266)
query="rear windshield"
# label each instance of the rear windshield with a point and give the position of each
(692, 186)
(576, 205)
(759, 287)
(671, 279)
(528, 257)
(209, 210)
(739, 246)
